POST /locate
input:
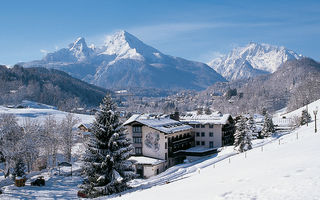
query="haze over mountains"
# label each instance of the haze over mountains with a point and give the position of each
(124, 61)
(252, 60)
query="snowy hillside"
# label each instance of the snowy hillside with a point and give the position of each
(285, 171)
(297, 113)
(125, 61)
(281, 167)
(252, 60)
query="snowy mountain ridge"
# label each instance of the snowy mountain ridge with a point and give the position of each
(252, 60)
(125, 61)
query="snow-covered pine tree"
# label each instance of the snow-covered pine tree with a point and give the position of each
(19, 169)
(106, 167)
(251, 125)
(242, 136)
(305, 117)
(268, 127)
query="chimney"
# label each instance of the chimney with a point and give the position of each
(176, 115)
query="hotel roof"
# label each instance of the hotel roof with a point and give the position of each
(158, 122)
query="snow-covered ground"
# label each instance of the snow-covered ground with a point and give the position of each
(286, 171)
(282, 167)
(40, 114)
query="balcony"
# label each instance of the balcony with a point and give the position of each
(180, 144)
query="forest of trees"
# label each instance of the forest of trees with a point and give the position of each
(46, 86)
(33, 143)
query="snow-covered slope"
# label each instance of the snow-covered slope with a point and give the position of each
(124, 61)
(252, 60)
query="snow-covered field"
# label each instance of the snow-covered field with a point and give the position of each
(282, 167)
(40, 114)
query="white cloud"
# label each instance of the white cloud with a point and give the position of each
(209, 56)
(170, 30)
(43, 51)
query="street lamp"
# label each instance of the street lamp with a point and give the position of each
(315, 112)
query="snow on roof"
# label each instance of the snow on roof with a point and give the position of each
(146, 160)
(161, 123)
(213, 118)
(87, 125)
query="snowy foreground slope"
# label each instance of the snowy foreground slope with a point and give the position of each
(282, 167)
(286, 171)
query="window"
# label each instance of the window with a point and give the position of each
(198, 143)
(137, 140)
(211, 144)
(203, 143)
(202, 134)
(137, 129)
(138, 150)
(197, 125)
(165, 145)
(203, 126)
(210, 125)
(166, 156)
(198, 134)
(211, 134)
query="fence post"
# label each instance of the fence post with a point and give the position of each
(245, 154)
(261, 148)
(229, 160)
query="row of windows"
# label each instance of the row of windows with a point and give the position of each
(138, 150)
(137, 140)
(203, 134)
(203, 143)
(201, 126)
(137, 129)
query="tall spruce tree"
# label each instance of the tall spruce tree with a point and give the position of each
(268, 127)
(305, 117)
(106, 167)
(242, 136)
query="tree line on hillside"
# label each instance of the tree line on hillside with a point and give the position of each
(293, 85)
(46, 86)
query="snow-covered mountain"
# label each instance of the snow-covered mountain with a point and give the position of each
(124, 61)
(252, 60)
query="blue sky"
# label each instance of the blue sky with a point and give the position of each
(195, 29)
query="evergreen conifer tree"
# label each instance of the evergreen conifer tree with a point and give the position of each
(106, 167)
(19, 169)
(268, 127)
(305, 117)
(242, 136)
(251, 125)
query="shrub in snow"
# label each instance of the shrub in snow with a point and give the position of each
(268, 127)
(305, 117)
(242, 136)
(106, 167)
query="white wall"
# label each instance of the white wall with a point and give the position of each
(217, 135)
(156, 148)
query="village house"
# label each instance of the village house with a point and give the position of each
(156, 139)
(212, 130)
(163, 141)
